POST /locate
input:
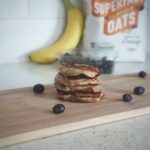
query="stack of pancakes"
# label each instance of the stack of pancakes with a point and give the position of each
(78, 82)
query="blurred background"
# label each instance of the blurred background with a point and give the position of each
(27, 25)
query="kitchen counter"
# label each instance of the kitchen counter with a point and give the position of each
(128, 134)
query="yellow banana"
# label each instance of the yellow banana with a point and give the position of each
(67, 42)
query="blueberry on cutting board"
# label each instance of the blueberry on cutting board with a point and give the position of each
(38, 88)
(58, 108)
(139, 90)
(127, 98)
(142, 74)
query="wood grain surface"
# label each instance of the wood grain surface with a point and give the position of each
(25, 115)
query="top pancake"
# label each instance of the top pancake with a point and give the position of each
(73, 70)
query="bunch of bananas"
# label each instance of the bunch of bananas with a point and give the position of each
(67, 42)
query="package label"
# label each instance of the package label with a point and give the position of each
(118, 25)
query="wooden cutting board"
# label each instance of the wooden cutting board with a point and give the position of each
(25, 115)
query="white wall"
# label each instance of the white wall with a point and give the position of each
(27, 25)
(148, 30)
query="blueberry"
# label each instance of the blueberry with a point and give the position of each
(127, 97)
(88, 61)
(99, 63)
(38, 88)
(142, 74)
(139, 90)
(107, 65)
(67, 54)
(110, 63)
(106, 68)
(68, 58)
(104, 59)
(93, 63)
(58, 108)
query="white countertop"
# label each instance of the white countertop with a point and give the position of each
(18, 75)
(131, 134)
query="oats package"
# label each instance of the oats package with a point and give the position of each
(115, 26)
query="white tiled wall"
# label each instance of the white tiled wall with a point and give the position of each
(46, 9)
(13, 9)
(27, 25)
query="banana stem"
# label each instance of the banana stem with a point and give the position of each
(68, 4)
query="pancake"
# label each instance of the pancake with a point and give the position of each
(79, 69)
(61, 79)
(87, 87)
(85, 99)
(79, 83)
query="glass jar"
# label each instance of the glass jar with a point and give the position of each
(105, 62)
